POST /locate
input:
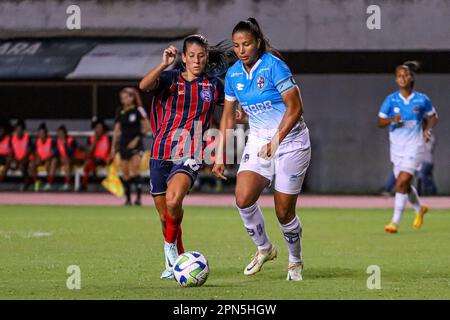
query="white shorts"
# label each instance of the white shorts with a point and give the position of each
(407, 158)
(288, 165)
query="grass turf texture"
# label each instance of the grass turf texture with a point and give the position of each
(120, 253)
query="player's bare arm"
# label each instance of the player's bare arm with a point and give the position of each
(294, 110)
(150, 81)
(384, 122)
(228, 121)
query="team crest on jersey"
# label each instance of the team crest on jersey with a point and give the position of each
(205, 95)
(246, 157)
(260, 82)
(416, 109)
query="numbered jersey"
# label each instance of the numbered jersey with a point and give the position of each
(259, 93)
(412, 111)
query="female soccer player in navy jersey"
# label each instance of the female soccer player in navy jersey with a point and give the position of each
(183, 100)
(403, 111)
(278, 144)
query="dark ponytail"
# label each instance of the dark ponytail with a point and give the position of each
(412, 67)
(252, 26)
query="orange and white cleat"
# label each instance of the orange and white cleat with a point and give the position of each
(391, 228)
(418, 220)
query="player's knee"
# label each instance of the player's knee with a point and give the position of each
(284, 215)
(402, 186)
(244, 201)
(173, 201)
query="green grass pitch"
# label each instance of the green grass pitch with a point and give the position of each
(120, 254)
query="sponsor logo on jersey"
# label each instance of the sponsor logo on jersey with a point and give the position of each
(132, 117)
(239, 86)
(260, 82)
(263, 69)
(235, 74)
(205, 95)
(206, 84)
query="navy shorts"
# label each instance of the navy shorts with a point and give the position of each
(161, 171)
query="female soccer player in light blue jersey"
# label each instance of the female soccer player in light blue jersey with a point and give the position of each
(278, 144)
(403, 111)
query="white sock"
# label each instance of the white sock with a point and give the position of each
(254, 223)
(413, 198)
(399, 207)
(292, 232)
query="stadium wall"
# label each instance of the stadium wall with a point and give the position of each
(306, 25)
(349, 152)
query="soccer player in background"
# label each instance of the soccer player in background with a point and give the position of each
(183, 99)
(278, 144)
(97, 151)
(64, 157)
(131, 124)
(403, 112)
(44, 151)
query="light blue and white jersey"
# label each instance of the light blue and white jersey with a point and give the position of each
(259, 93)
(412, 110)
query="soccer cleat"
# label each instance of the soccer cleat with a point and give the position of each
(127, 203)
(391, 228)
(418, 220)
(138, 202)
(167, 274)
(295, 272)
(259, 259)
(170, 254)
(47, 187)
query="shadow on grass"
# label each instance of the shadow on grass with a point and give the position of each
(330, 273)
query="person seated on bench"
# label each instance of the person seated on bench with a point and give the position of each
(5, 148)
(44, 152)
(64, 157)
(97, 152)
(20, 153)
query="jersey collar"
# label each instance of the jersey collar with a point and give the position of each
(249, 76)
(408, 99)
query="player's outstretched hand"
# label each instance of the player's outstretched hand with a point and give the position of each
(169, 55)
(268, 150)
(218, 170)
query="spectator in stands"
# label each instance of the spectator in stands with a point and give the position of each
(64, 157)
(44, 151)
(97, 152)
(131, 124)
(20, 153)
(5, 148)
(425, 181)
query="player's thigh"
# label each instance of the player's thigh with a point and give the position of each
(249, 186)
(403, 182)
(125, 166)
(135, 163)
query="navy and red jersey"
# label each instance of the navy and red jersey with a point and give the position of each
(181, 112)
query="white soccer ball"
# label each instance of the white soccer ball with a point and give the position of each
(191, 269)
